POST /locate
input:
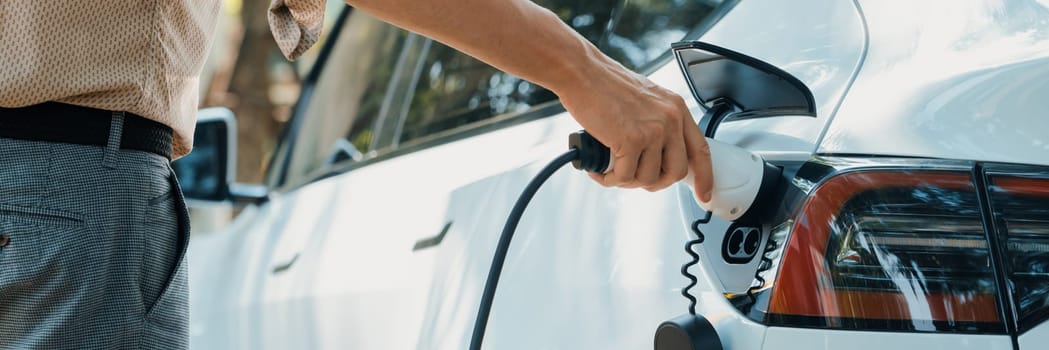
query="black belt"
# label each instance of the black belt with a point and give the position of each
(63, 123)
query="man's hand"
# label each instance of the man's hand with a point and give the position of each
(648, 128)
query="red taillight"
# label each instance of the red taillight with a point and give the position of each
(888, 249)
(1021, 215)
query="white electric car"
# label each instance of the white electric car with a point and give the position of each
(912, 211)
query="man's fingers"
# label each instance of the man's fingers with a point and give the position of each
(599, 178)
(649, 168)
(699, 161)
(675, 164)
(624, 170)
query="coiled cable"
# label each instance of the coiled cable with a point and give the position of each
(764, 265)
(689, 249)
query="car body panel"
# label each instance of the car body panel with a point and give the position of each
(949, 81)
(1035, 338)
(779, 338)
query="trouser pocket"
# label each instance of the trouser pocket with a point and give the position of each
(42, 253)
(36, 244)
(167, 317)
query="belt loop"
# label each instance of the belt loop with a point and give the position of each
(116, 129)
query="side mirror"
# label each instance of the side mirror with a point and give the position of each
(208, 173)
(739, 85)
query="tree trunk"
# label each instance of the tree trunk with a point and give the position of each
(258, 119)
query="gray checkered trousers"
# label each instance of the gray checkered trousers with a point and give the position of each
(92, 248)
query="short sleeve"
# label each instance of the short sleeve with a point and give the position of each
(296, 24)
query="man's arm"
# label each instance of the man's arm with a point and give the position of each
(648, 128)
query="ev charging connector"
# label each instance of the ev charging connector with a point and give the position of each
(740, 177)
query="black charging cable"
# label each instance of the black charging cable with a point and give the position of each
(586, 153)
(691, 251)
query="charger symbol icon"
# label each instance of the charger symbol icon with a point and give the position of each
(741, 244)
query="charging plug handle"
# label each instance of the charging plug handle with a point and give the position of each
(594, 156)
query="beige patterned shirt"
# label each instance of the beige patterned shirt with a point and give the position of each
(140, 56)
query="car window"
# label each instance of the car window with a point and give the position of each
(644, 29)
(454, 90)
(349, 96)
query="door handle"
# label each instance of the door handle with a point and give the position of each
(432, 241)
(285, 266)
